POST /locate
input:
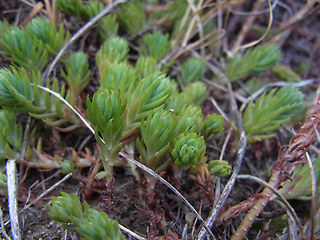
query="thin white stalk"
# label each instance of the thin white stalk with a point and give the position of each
(12, 198)
(227, 189)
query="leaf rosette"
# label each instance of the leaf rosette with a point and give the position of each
(189, 150)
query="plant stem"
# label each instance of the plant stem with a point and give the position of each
(256, 208)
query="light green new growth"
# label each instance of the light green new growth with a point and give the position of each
(155, 45)
(189, 150)
(113, 50)
(147, 98)
(219, 168)
(145, 66)
(119, 76)
(157, 132)
(270, 112)
(89, 223)
(254, 61)
(192, 70)
(106, 113)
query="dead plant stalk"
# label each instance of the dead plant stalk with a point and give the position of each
(292, 153)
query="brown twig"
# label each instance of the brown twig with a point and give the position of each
(282, 198)
(36, 9)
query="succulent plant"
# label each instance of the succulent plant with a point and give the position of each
(189, 150)
(119, 76)
(91, 224)
(284, 73)
(92, 8)
(113, 50)
(52, 38)
(108, 26)
(10, 135)
(19, 93)
(66, 209)
(155, 45)
(192, 70)
(24, 49)
(97, 225)
(254, 61)
(219, 168)
(77, 73)
(213, 124)
(148, 97)
(132, 17)
(146, 66)
(194, 93)
(270, 111)
(106, 113)
(190, 119)
(72, 7)
(157, 132)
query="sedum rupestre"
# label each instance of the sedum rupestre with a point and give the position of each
(106, 113)
(189, 150)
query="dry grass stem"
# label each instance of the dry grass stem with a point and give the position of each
(12, 184)
(313, 209)
(227, 189)
(36, 9)
(282, 198)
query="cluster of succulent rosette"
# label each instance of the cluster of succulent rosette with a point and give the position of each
(139, 101)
